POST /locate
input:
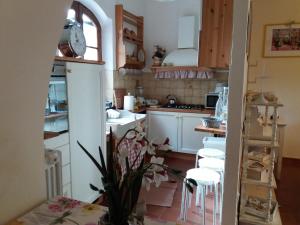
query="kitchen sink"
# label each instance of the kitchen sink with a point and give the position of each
(126, 121)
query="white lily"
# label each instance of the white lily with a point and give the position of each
(156, 161)
(158, 178)
(165, 147)
(139, 128)
(147, 182)
(144, 149)
(123, 154)
(130, 135)
(151, 148)
(140, 136)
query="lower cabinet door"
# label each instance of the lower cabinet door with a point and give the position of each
(189, 140)
(161, 126)
(67, 192)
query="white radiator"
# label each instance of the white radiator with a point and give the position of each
(53, 172)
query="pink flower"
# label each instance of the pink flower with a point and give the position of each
(55, 208)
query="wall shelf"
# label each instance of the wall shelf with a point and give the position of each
(156, 69)
(56, 115)
(123, 36)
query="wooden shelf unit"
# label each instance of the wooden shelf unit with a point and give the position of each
(123, 16)
(268, 180)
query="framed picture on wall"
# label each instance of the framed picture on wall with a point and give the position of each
(282, 40)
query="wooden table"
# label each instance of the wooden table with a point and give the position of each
(216, 131)
(66, 211)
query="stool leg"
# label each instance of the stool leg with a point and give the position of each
(221, 195)
(196, 161)
(183, 200)
(216, 192)
(198, 197)
(187, 202)
(215, 204)
(203, 203)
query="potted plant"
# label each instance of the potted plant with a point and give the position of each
(133, 163)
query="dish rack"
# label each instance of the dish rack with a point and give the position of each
(258, 203)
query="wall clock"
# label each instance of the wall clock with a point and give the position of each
(72, 42)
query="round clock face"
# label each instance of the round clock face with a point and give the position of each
(72, 42)
(77, 40)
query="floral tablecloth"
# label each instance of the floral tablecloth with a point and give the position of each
(62, 210)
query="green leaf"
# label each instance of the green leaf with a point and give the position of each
(102, 160)
(175, 171)
(127, 165)
(93, 159)
(94, 188)
(192, 181)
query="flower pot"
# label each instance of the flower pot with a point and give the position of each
(104, 220)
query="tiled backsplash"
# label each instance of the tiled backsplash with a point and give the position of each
(187, 91)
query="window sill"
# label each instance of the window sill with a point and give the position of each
(78, 60)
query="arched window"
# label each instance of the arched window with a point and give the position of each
(91, 29)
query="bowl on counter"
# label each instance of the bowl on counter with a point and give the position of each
(211, 122)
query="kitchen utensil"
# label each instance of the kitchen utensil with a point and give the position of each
(171, 100)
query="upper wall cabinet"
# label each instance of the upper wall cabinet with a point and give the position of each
(130, 52)
(216, 34)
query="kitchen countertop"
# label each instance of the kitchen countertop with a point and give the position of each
(203, 111)
(218, 131)
(55, 124)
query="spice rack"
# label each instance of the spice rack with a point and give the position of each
(258, 205)
(124, 21)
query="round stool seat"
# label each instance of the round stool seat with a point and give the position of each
(211, 153)
(211, 163)
(203, 176)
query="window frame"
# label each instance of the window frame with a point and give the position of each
(80, 9)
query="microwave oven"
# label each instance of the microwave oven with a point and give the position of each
(211, 100)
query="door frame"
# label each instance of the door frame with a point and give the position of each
(237, 88)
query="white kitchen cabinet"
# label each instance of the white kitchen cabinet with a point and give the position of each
(178, 127)
(86, 125)
(189, 140)
(162, 125)
(67, 191)
(55, 142)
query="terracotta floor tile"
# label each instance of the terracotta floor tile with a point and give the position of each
(287, 194)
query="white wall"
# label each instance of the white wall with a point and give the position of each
(30, 31)
(283, 72)
(161, 23)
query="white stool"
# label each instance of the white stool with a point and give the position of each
(204, 177)
(209, 153)
(218, 166)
